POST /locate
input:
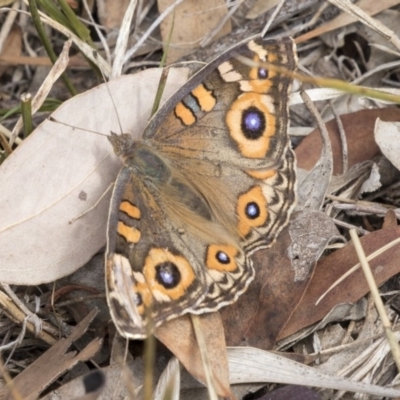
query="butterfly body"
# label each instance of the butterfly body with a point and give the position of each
(211, 181)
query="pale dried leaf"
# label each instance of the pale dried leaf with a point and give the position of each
(59, 173)
(387, 137)
(373, 182)
(317, 94)
(248, 364)
(168, 385)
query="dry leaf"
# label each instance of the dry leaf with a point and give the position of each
(186, 349)
(353, 287)
(59, 173)
(111, 13)
(387, 137)
(200, 19)
(282, 276)
(11, 49)
(247, 364)
(359, 128)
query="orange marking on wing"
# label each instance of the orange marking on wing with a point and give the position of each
(142, 288)
(212, 261)
(262, 174)
(158, 256)
(205, 98)
(252, 148)
(185, 114)
(245, 224)
(257, 86)
(130, 209)
(131, 234)
(260, 51)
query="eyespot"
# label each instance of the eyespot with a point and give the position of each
(262, 73)
(138, 300)
(222, 257)
(168, 275)
(252, 210)
(253, 123)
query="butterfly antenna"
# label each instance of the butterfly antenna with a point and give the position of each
(113, 103)
(52, 119)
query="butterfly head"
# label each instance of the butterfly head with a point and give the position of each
(121, 144)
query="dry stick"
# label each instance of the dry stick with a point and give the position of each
(272, 18)
(4, 142)
(343, 139)
(17, 316)
(377, 298)
(316, 198)
(204, 356)
(367, 209)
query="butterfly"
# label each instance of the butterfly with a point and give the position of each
(211, 181)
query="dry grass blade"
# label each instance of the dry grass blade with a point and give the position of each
(122, 41)
(56, 71)
(204, 357)
(377, 298)
(338, 84)
(168, 385)
(86, 49)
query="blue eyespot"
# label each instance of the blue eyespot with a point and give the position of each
(138, 299)
(168, 274)
(223, 258)
(262, 73)
(253, 123)
(252, 210)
